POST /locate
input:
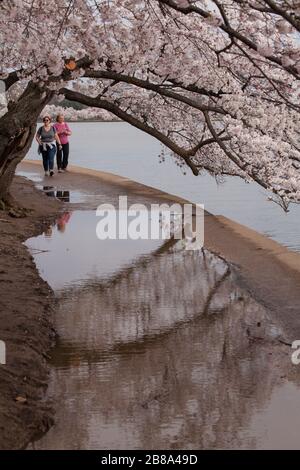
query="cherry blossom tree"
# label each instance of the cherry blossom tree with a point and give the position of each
(86, 114)
(216, 81)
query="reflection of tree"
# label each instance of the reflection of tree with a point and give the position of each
(139, 303)
(170, 354)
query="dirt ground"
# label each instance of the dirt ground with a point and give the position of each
(26, 304)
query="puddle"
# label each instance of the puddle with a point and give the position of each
(281, 415)
(71, 188)
(63, 195)
(69, 252)
(158, 348)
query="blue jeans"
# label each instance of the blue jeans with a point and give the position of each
(48, 158)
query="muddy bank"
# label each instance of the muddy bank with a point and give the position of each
(26, 306)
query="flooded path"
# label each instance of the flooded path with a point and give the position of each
(159, 347)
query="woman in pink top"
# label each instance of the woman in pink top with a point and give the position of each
(63, 131)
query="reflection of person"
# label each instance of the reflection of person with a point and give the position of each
(48, 232)
(63, 132)
(49, 190)
(63, 196)
(63, 220)
(46, 136)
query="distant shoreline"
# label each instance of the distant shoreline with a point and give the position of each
(86, 120)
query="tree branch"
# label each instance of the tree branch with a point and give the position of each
(232, 33)
(145, 84)
(117, 111)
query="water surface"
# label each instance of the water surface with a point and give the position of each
(159, 347)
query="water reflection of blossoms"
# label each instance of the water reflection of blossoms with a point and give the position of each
(179, 353)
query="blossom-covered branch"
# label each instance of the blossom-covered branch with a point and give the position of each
(217, 82)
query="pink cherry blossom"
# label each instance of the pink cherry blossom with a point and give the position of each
(216, 82)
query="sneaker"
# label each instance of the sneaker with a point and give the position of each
(46, 173)
(60, 171)
(51, 173)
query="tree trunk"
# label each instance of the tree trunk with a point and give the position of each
(17, 130)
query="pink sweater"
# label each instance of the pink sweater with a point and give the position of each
(60, 127)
